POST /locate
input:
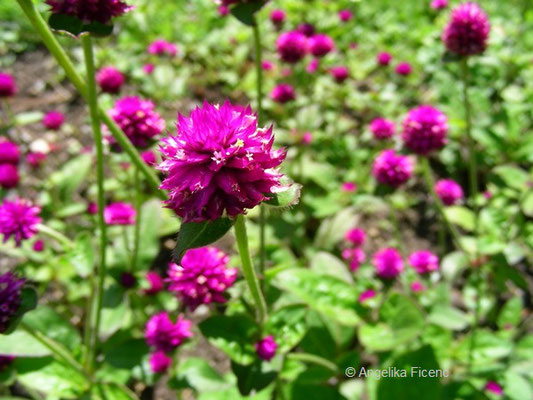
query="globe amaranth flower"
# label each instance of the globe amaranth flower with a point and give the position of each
(53, 120)
(202, 277)
(366, 295)
(161, 47)
(9, 176)
(425, 129)
(356, 237)
(392, 169)
(148, 69)
(349, 187)
(438, 4)
(339, 73)
(38, 246)
(388, 263)
(383, 58)
(149, 157)
(267, 65)
(424, 261)
(18, 219)
(306, 139)
(35, 159)
(417, 287)
(307, 29)
(90, 11)
(110, 80)
(266, 348)
(321, 44)
(449, 191)
(292, 46)
(355, 256)
(382, 128)
(494, 387)
(127, 280)
(155, 283)
(163, 334)
(159, 362)
(283, 93)
(137, 119)
(404, 68)
(345, 15)
(9, 152)
(468, 30)
(312, 66)
(220, 161)
(8, 86)
(120, 214)
(277, 17)
(10, 291)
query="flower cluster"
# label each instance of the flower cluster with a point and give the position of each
(9, 158)
(392, 169)
(53, 120)
(120, 214)
(424, 130)
(382, 128)
(110, 80)
(383, 58)
(449, 191)
(404, 68)
(283, 93)
(321, 44)
(345, 15)
(8, 86)
(424, 261)
(468, 30)
(10, 290)
(388, 263)
(277, 17)
(161, 47)
(266, 348)
(354, 254)
(18, 219)
(340, 73)
(90, 11)
(292, 46)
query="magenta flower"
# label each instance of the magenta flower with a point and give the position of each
(349, 187)
(392, 169)
(127, 280)
(165, 335)
(92, 208)
(155, 283)
(10, 290)
(138, 119)
(8, 86)
(149, 157)
(90, 11)
(223, 11)
(468, 30)
(345, 15)
(266, 348)
(321, 44)
(219, 162)
(366, 295)
(355, 256)
(202, 277)
(307, 138)
(417, 287)
(404, 68)
(283, 93)
(449, 191)
(161, 47)
(277, 17)
(148, 69)
(292, 46)
(340, 73)
(424, 261)
(38, 246)
(9, 176)
(424, 130)
(355, 236)
(313, 66)
(36, 159)
(307, 29)
(383, 58)
(388, 263)
(18, 218)
(267, 65)
(53, 120)
(110, 80)
(494, 387)
(353, 45)
(439, 4)
(382, 128)
(159, 362)
(120, 214)
(9, 152)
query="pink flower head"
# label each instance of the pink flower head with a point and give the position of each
(10, 290)
(439, 4)
(267, 65)
(291, 46)
(8, 86)
(424, 130)
(392, 169)
(9, 152)
(353, 45)
(219, 162)
(161, 47)
(494, 388)
(277, 17)
(349, 187)
(92, 208)
(388, 263)
(202, 277)
(120, 214)
(367, 294)
(223, 10)
(53, 120)
(382, 128)
(404, 68)
(340, 73)
(313, 66)
(285, 72)
(9, 176)
(307, 138)
(345, 15)
(149, 157)
(355, 236)
(283, 93)
(38, 246)
(155, 282)
(266, 348)
(159, 362)
(355, 256)
(321, 44)
(138, 119)
(148, 69)
(90, 11)
(307, 29)
(449, 191)
(384, 58)
(110, 80)
(424, 261)
(165, 335)
(18, 218)
(487, 194)
(468, 30)
(417, 287)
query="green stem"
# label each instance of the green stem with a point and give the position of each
(65, 241)
(64, 61)
(248, 269)
(396, 223)
(314, 359)
(96, 127)
(137, 234)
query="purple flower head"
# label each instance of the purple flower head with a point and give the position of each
(291, 46)
(424, 130)
(321, 44)
(267, 65)
(53, 120)
(340, 73)
(424, 261)
(8, 86)
(120, 214)
(307, 29)
(165, 335)
(468, 30)
(307, 138)
(383, 58)
(90, 10)
(494, 387)
(349, 187)
(404, 68)
(9, 176)
(392, 169)
(159, 362)
(110, 80)
(449, 191)
(439, 4)
(149, 157)
(355, 236)
(277, 17)
(367, 294)
(18, 218)
(10, 290)
(5, 362)
(382, 128)
(219, 161)
(417, 287)
(35, 159)
(9, 152)
(223, 10)
(388, 263)
(266, 348)
(92, 208)
(355, 256)
(38, 246)
(148, 69)
(161, 47)
(202, 277)
(313, 66)
(283, 93)
(128, 280)
(345, 15)
(138, 119)
(155, 282)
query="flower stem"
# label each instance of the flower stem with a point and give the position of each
(95, 121)
(65, 241)
(248, 269)
(138, 209)
(395, 222)
(314, 359)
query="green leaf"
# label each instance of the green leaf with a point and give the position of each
(114, 310)
(127, 354)
(527, 204)
(288, 327)
(290, 196)
(244, 12)
(512, 176)
(328, 264)
(511, 313)
(82, 256)
(69, 178)
(22, 344)
(461, 216)
(448, 317)
(73, 26)
(332, 230)
(516, 387)
(28, 301)
(197, 234)
(196, 373)
(253, 377)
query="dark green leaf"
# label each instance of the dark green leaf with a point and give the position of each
(253, 377)
(244, 12)
(28, 301)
